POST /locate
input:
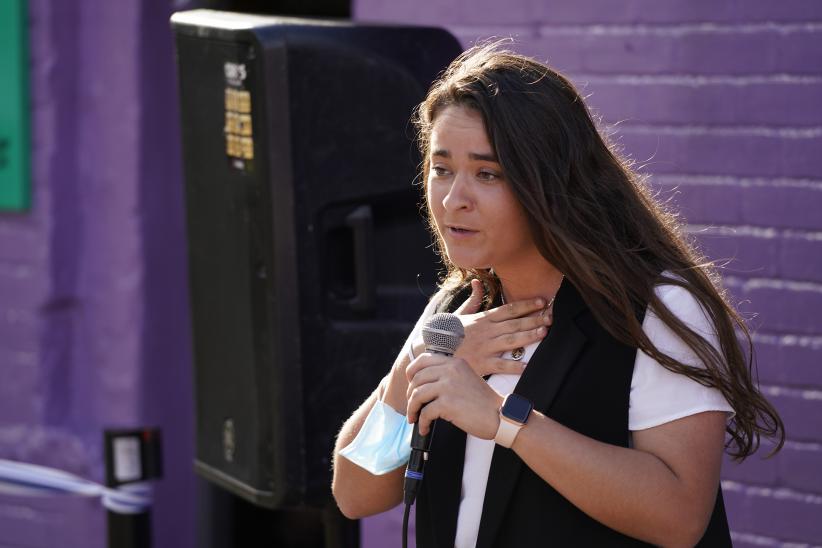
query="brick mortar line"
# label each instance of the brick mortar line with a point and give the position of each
(794, 445)
(788, 387)
(779, 132)
(772, 283)
(12, 226)
(696, 80)
(20, 360)
(680, 29)
(814, 342)
(18, 316)
(735, 485)
(514, 36)
(762, 540)
(730, 180)
(497, 32)
(763, 232)
(752, 317)
(795, 393)
(29, 514)
(17, 269)
(803, 446)
(771, 492)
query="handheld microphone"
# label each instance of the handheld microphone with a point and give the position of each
(442, 334)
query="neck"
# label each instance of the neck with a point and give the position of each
(540, 279)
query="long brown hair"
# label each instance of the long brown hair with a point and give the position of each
(595, 220)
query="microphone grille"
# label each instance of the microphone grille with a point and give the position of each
(443, 332)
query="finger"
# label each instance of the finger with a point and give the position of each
(510, 341)
(424, 376)
(517, 309)
(420, 397)
(507, 367)
(428, 415)
(426, 359)
(525, 324)
(474, 301)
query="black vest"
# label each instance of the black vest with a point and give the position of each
(579, 376)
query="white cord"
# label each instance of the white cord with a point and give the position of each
(19, 478)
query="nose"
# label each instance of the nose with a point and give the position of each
(459, 194)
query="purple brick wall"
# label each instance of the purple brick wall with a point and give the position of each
(719, 102)
(93, 323)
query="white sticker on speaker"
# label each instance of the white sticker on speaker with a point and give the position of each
(127, 465)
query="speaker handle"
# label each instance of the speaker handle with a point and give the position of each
(361, 222)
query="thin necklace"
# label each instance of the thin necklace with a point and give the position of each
(519, 352)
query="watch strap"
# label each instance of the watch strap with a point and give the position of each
(507, 432)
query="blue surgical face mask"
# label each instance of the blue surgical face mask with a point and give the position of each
(383, 443)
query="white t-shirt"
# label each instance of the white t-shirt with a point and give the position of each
(657, 396)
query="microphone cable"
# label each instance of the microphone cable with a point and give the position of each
(405, 514)
(442, 334)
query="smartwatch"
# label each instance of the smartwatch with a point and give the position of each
(512, 416)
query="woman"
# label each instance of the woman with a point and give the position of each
(579, 295)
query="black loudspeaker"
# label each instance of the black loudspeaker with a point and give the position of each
(308, 257)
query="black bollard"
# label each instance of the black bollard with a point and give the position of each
(131, 456)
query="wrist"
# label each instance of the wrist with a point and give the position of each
(395, 390)
(498, 401)
(513, 415)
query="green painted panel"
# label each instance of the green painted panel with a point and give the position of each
(14, 106)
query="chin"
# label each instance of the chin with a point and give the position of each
(468, 263)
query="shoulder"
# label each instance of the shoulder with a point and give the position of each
(430, 309)
(448, 299)
(659, 395)
(440, 301)
(683, 304)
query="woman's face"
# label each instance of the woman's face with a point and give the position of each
(475, 212)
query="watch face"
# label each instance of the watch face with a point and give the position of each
(517, 408)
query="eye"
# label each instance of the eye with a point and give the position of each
(488, 175)
(439, 171)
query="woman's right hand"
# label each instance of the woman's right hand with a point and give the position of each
(489, 334)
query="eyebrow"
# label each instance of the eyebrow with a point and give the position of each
(471, 155)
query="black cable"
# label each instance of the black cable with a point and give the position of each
(405, 525)
(413, 478)
(442, 334)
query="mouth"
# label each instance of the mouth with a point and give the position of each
(461, 231)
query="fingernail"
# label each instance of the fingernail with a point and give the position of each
(523, 365)
(542, 331)
(546, 319)
(539, 302)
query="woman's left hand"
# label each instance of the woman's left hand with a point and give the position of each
(451, 390)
